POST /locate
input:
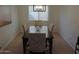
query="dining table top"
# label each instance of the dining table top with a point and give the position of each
(42, 29)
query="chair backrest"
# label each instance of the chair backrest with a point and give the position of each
(50, 30)
(37, 42)
(23, 28)
(78, 41)
(51, 27)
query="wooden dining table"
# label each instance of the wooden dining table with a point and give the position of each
(34, 29)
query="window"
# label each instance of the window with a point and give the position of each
(38, 15)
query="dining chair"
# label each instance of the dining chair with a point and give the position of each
(50, 30)
(23, 28)
(51, 27)
(77, 46)
(37, 43)
(24, 37)
(51, 37)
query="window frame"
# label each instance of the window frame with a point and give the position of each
(46, 10)
(43, 10)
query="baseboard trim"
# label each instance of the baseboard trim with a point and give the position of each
(70, 45)
(67, 42)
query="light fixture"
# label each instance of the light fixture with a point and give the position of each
(39, 8)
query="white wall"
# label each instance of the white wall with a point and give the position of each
(69, 23)
(8, 32)
(54, 17)
(23, 15)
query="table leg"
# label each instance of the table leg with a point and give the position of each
(24, 49)
(50, 46)
(25, 40)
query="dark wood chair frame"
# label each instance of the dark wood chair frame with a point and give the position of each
(77, 44)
